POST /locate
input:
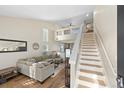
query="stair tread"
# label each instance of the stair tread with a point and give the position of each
(88, 40)
(87, 50)
(91, 39)
(91, 75)
(88, 44)
(90, 49)
(88, 37)
(91, 68)
(99, 82)
(90, 62)
(91, 72)
(88, 84)
(94, 65)
(90, 59)
(89, 53)
(94, 55)
(82, 86)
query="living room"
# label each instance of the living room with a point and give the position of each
(43, 48)
(28, 30)
(30, 50)
(61, 46)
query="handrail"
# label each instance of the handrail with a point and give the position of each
(75, 49)
(74, 57)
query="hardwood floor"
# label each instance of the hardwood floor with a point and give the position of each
(22, 81)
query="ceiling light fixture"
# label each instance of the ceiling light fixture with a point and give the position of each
(87, 15)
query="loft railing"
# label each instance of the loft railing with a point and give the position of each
(66, 33)
(74, 57)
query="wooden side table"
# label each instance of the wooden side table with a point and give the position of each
(7, 73)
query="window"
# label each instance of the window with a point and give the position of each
(45, 39)
(45, 35)
(45, 47)
(61, 47)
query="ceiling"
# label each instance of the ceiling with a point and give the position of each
(61, 14)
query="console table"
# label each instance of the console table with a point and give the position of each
(7, 73)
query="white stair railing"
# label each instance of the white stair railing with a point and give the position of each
(74, 57)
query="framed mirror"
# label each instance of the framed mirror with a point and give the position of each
(7, 45)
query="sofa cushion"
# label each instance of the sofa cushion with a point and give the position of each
(25, 59)
(31, 60)
(44, 63)
(37, 59)
(22, 61)
(40, 65)
(45, 57)
(49, 60)
(29, 63)
(50, 56)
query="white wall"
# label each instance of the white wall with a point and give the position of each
(27, 30)
(105, 23)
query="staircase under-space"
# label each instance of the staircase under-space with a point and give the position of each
(89, 71)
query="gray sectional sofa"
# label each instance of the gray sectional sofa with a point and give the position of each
(38, 68)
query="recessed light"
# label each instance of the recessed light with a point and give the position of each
(87, 15)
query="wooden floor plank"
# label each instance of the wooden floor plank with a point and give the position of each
(22, 81)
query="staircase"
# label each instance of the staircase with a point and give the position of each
(90, 71)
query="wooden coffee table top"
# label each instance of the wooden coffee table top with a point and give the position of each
(7, 70)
